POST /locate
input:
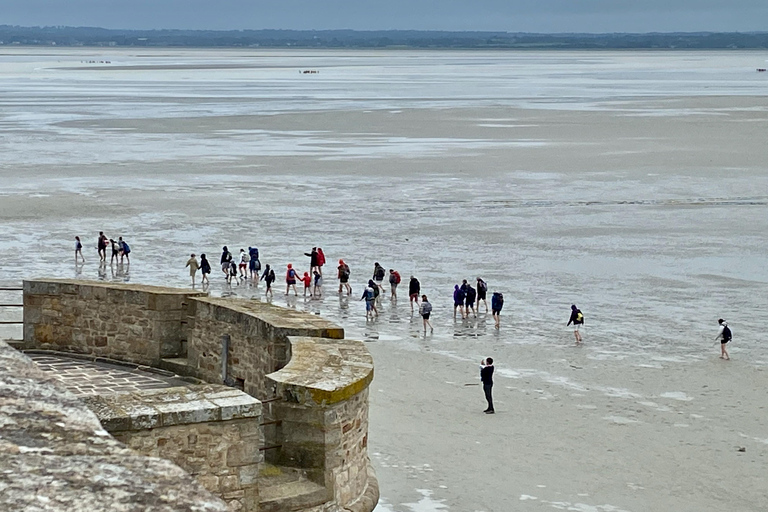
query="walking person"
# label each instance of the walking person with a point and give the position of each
(102, 246)
(193, 267)
(486, 377)
(314, 260)
(290, 280)
(233, 273)
(458, 300)
(578, 320)
(414, 288)
(470, 301)
(378, 279)
(394, 280)
(307, 280)
(317, 291)
(425, 310)
(482, 290)
(724, 335)
(205, 270)
(268, 277)
(115, 252)
(497, 302)
(320, 260)
(369, 295)
(226, 257)
(125, 250)
(343, 273)
(245, 259)
(78, 249)
(254, 265)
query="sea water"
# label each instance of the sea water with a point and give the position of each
(164, 147)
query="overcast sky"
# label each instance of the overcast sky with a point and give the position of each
(497, 15)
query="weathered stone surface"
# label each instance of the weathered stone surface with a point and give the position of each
(128, 322)
(324, 371)
(172, 406)
(258, 339)
(55, 456)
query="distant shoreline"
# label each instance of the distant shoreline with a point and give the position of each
(11, 36)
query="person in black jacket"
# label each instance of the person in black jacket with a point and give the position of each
(414, 287)
(578, 320)
(486, 376)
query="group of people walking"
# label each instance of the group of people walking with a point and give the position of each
(120, 250)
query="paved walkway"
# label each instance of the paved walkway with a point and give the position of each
(83, 377)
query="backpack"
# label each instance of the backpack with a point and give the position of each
(379, 274)
(580, 318)
(375, 291)
(397, 277)
(345, 271)
(426, 307)
(370, 294)
(126, 248)
(726, 332)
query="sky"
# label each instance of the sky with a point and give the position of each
(596, 16)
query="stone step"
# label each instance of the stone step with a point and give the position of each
(177, 365)
(282, 489)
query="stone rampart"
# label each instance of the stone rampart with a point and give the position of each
(325, 417)
(320, 381)
(55, 456)
(140, 324)
(258, 340)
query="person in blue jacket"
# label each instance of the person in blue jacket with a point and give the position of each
(497, 302)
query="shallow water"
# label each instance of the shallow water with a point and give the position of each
(652, 255)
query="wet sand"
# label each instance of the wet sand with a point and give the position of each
(649, 212)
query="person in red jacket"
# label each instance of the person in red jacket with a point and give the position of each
(307, 280)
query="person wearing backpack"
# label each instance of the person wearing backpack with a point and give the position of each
(343, 273)
(205, 269)
(290, 279)
(459, 295)
(470, 301)
(369, 295)
(124, 249)
(254, 265)
(482, 290)
(577, 319)
(268, 277)
(394, 280)
(724, 335)
(425, 309)
(497, 302)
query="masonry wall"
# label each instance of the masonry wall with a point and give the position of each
(56, 457)
(140, 324)
(258, 340)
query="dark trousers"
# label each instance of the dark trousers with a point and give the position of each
(487, 388)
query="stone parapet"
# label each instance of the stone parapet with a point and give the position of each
(55, 455)
(325, 417)
(136, 323)
(258, 340)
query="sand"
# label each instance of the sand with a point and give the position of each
(632, 184)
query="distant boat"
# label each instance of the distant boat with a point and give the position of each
(309, 72)
(760, 70)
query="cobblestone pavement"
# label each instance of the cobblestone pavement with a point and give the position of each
(83, 377)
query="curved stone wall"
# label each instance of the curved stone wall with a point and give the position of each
(316, 381)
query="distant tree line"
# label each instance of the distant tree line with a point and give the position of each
(87, 36)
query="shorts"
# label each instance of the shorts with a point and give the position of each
(290, 282)
(425, 316)
(470, 304)
(414, 296)
(343, 280)
(458, 304)
(480, 295)
(724, 341)
(242, 265)
(368, 305)
(378, 282)
(495, 311)
(225, 267)
(576, 327)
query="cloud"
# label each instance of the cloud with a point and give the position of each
(498, 15)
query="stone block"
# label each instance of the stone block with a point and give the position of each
(243, 454)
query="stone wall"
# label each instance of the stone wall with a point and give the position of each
(210, 431)
(140, 324)
(55, 456)
(319, 430)
(325, 417)
(258, 340)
